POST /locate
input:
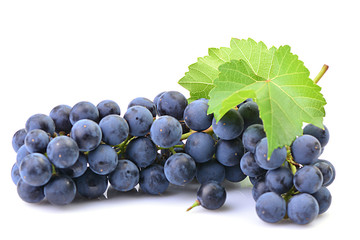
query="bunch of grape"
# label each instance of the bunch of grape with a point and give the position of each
(84, 149)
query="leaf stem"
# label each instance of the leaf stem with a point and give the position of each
(321, 73)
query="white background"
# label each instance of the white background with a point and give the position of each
(62, 52)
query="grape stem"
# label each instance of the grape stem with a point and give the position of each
(186, 135)
(289, 158)
(196, 203)
(321, 73)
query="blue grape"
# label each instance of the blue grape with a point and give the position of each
(258, 189)
(200, 146)
(250, 167)
(211, 195)
(196, 117)
(84, 110)
(322, 135)
(103, 160)
(252, 135)
(35, 169)
(156, 100)
(15, 174)
(180, 169)
(114, 129)
(277, 158)
(61, 190)
(142, 151)
(153, 180)
(40, 121)
(302, 208)
(125, 176)
(279, 180)
(139, 119)
(305, 149)
(108, 107)
(172, 103)
(210, 171)
(18, 139)
(87, 134)
(250, 113)
(234, 173)
(323, 197)
(21, 154)
(147, 103)
(229, 152)
(62, 151)
(327, 170)
(29, 193)
(77, 169)
(36, 141)
(270, 207)
(60, 115)
(91, 185)
(166, 131)
(308, 179)
(230, 126)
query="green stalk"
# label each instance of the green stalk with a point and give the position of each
(321, 73)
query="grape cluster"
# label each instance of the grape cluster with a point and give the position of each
(84, 149)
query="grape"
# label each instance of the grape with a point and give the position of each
(270, 207)
(29, 193)
(84, 110)
(308, 179)
(230, 126)
(103, 160)
(77, 169)
(166, 131)
(172, 103)
(91, 185)
(139, 119)
(35, 169)
(250, 167)
(211, 195)
(153, 180)
(40, 121)
(147, 103)
(229, 152)
(250, 113)
(196, 117)
(125, 176)
(114, 129)
(36, 141)
(21, 154)
(259, 188)
(279, 180)
(277, 158)
(323, 197)
(180, 169)
(18, 139)
(234, 173)
(200, 146)
(210, 171)
(87, 134)
(322, 135)
(252, 135)
(108, 107)
(61, 190)
(60, 115)
(302, 208)
(142, 151)
(327, 170)
(62, 151)
(15, 174)
(305, 149)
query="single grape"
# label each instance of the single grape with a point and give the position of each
(322, 135)
(36, 141)
(61, 190)
(229, 152)
(103, 160)
(29, 193)
(147, 103)
(114, 129)
(172, 103)
(156, 100)
(60, 115)
(305, 149)
(252, 135)
(327, 170)
(210, 195)
(323, 197)
(142, 151)
(250, 113)
(308, 179)
(62, 151)
(40, 121)
(196, 117)
(234, 173)
(35, 169)
(277, 158)
(108, 107)
(230, 126)
(15, 174)
(302, 208)
(77, 169)
(153, 180)
(84, 110)
(180, 169)
(258, 189)
(125, 176)
(250, 167)
(166, 131)
(139, 119)
(200, 146)
(270, 207)
(87, 134)
(21, 154)
(91, 185)
(210, 171)
(279, 180)
(18, 139)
